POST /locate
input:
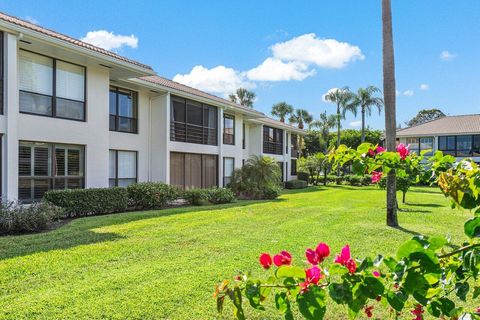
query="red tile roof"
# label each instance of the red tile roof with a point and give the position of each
(59, 36)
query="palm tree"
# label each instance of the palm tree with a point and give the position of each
(365, 99)
(390, 112)
(243, 96)
(325, 123)
(281, 110)
(301, 117)
(342, 98)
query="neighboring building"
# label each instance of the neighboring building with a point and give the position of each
(458, 136)
(73, 115)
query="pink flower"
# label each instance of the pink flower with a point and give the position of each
(265, 260)
(323, 251)
(403, 150)
(380, 149)
(282, 259)
(346, 260)
(376, 176)
(371, 153)
(312, 256)
(313, 275)
(478, 310)
(376, 274)
(418, 312)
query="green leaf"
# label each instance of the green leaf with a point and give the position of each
(372, 287)
(312, 303)
(391, 263)
(281, 302)
(340, 292)
(461, 290)
(447, 306)
(409, 247)
(237, 302)
(290, 272)
(397, 299)
(432, 292)
(472, 227)
(337, 269)
(220, 302)
(476, 292)
(437, 243)
(435, 309)
(252, 292)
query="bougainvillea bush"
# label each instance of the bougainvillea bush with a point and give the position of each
(425, 277)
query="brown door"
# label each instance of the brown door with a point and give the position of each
(193, 171)
(210, 172)
(177, 169)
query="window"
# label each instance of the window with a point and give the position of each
(418, 145)
(294, 142)
(282, 171)
(45, 166)
(192, 122)
(122, 168)
(244, 134)
(293, 169)
(272, 140)
(2, 73)
(123, 110)
(228, 167)
(460, 146)
(228, 129)
(51, 87)
(189, 170)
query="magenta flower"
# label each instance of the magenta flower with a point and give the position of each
(380, 149)
(346, 260)
(312, 256)
(282, 259)
(376, 176)
(323, 251)
(403, 150)
(313, 275)
(376, 274)
(418, 312)
(265, 260)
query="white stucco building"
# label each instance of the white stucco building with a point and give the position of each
(73, 115)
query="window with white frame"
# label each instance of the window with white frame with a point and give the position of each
(122, 168)
(228, 167)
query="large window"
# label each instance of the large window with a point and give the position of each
(2, 73)
(228, 129)
(228, 167)
(192, 170)
(421, 144)
(123, 110)
(272, 140)
(293, 169)
(51, 87)
(294, 142)
(460, 146)
(122, 168)
(45, 166)
(193, 122)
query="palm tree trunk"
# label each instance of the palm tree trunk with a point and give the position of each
(390, 112)
(363, 124)
(338, 134)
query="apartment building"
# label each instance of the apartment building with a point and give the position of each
(73, 115)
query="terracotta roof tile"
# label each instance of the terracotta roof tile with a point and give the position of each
(56, 35)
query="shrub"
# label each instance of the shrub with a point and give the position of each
(296, 184)
(195, 197)
(220, 195)
(82, 202)
(151, 195)
(18, 218)
(269, 193)
(303, 176)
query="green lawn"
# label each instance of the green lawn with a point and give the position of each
(164, 264)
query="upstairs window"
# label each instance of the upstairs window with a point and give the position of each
(51, 87)
(228, 129)
(123, 110)
(272, 140)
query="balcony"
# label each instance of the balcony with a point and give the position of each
(272, 147)
(182, 132)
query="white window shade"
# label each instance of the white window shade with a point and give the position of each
(127, 164)
(70, 80)
(228, 167)
(36, 73)
(112, 164)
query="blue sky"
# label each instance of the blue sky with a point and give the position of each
(230, 39)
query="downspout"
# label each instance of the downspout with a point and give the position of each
(149, 139)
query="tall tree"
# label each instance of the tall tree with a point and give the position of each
(425, 115)
(342, 98)
(301, 117)
(324, 124)
(365, 99)
(390, 107)
(281, 110)
(243, 96)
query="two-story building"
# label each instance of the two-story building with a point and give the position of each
(73, 115)
(458, 136)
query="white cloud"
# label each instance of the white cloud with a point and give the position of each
(424, 87)
(273, 69)
(408, 93)
(355, 124)
(219, 79)
(108, 40)
(445, 55)
(325, 53)
(31, 19)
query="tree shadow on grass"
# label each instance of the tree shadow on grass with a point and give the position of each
(305, 190)
(81, 231)
(429, 205)
(403, 209)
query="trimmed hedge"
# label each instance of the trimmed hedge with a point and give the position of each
(296, 184)
(83, 202)
(195, 197)
(220, 195)
(151, 195)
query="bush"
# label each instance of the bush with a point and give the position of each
(220, 195)
(296, 184)
(195, 197)
(303, 176)
(82, 202)
(18, 218)
(151, 195)
(269, 193)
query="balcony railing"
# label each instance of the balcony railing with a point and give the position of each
(272, 147)
(191, 133)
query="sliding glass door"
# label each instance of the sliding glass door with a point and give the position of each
(191, 170)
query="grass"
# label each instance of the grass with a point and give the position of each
(164, 264)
